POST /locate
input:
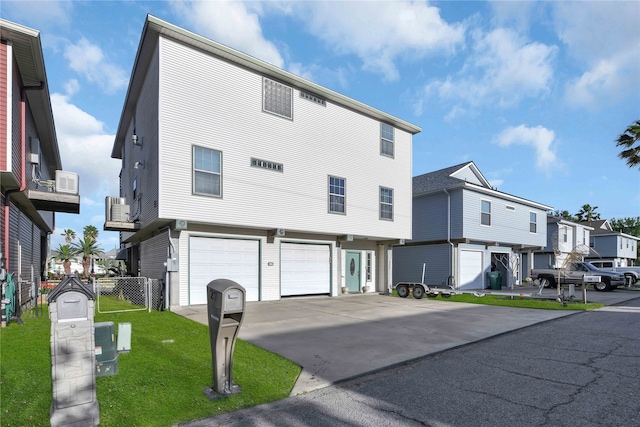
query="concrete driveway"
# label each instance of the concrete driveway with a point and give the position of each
(339, 338)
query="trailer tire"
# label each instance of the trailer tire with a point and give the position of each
(418, 292)
(403, 291)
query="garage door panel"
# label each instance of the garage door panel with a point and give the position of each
(305, 269)
(470, 269)
(217, 258)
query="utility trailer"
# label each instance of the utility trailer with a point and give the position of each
(419, 290)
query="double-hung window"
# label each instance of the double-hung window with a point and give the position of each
(386, 203)
(485, 213)
(337, 195)
(207, 171)
(533, 222)
(386, 140)
(277, 98)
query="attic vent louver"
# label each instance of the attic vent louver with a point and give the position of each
(313, 98)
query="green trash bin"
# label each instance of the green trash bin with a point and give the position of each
(495, 280)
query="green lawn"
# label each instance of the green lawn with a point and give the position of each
(159, 383)
(518, 301)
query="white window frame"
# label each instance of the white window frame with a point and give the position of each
(387, 140)
(484, 214)
(333, 195)
(196, 171)
(384, 193)
(533, 225)
(284, 97)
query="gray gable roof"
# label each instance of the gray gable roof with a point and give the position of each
(444, 178)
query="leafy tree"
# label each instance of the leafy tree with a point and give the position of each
(66, 254)
(88, 248)
(90, 233)
(69, 235)
(630, 137)
(564, 215)
(588, 213)
(627, 225)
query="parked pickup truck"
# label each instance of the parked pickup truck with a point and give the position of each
(631, 273)
(575, 273)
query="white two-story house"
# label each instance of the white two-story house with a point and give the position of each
(463, 228)
(619, 248)
(233, 168)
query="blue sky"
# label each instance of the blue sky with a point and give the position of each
(535, 93)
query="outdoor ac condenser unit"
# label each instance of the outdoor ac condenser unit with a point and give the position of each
(67, 182)
(116, 210)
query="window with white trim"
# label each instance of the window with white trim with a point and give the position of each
(485, 212)
(277, 98)
(533, 222)
(337, 195)
(565, 234)
(386, 139)
(386, 203)
(207, 171)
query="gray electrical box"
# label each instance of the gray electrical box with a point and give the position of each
(225, 307)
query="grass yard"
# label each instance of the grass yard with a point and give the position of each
(159, 383)
(522, 302)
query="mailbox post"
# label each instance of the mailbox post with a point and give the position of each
(588, 279)
(225, 307)
(73, 358)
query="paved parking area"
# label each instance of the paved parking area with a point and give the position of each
(338, 338)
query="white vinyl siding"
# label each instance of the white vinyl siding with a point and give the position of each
(256, 197)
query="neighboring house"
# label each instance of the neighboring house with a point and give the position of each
(613, 245)
(233, 168)
(33, 184)
(562, 237)
(462, 228)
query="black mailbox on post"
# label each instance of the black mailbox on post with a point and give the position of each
(225, 307)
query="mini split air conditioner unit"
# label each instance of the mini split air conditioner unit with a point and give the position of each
(67, 182)
(116, 209)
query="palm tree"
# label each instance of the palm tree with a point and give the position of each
(588, 213)
(66, 254)
(69, 235)
(90, 233)
(88, 248)
(630, 136)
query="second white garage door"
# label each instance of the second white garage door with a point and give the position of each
(470, 269)
(213, 258)
(305, 269)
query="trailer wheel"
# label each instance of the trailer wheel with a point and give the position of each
(418, 292)
(432, 294)
(403, 291)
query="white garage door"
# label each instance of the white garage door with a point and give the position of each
(213, 258)
(470, 269)
(304, 269)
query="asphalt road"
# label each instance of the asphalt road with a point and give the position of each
(580, 370)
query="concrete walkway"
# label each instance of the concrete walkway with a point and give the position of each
(335, 339)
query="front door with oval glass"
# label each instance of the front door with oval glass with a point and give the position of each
(352, 273)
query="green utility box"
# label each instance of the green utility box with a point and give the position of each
(106, 350)
(495, 280)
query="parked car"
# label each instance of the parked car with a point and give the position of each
(575, 273)
(631, 273)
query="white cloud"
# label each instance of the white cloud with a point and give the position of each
(88, 60)
(232, 24)
(85, 149)
(604, 37)
(502, 69)
(381, 33)
(45, 14)
(539, 138)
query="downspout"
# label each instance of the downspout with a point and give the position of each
(23, 167)
(449, 234)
